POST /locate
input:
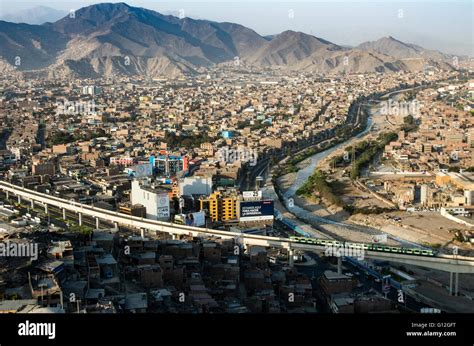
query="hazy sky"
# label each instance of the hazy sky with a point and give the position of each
(443, 25)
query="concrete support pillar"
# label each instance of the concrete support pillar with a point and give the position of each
(339, 265)
(46, 209)
(115, 225)
(80, 219)
(32, 204)
(142, 233)
(456, 284)
(19, 199)
(6, 194)
(450, 283)
(291, 257)
(64, 214)
(97, 222)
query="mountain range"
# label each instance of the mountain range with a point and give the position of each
(107, 39)
(35, 15)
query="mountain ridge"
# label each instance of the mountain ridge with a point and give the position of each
(115, 38)
(35, 15)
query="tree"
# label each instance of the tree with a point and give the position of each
(84, 230)
(61, 137)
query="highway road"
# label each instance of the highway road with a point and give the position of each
(367, 282)
(456, 264)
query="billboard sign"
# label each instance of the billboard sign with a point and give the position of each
(192, 219)
(251, 194)
(163, 206)
(256, 210)
(196, 219)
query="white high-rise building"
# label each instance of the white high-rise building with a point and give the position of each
(155, 200)
(424, 190)
(90, 90)
(469, 195)
(195, 185)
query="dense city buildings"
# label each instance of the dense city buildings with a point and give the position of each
(191, 153)
(314, 178)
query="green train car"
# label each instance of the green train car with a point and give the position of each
(365, 246)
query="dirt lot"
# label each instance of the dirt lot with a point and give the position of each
(420, 227)
(439, 297)
(417, 227)
(312, 205)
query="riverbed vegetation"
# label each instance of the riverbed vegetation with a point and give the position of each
(366, 151)
(317, 185)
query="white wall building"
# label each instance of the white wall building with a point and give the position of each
(469, 195)
(424, 194)
(195, 185)
(156, 201)
(90, 90)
